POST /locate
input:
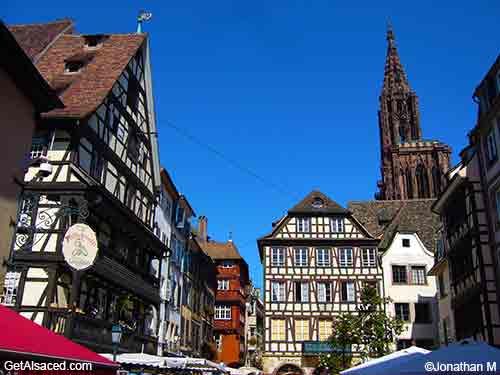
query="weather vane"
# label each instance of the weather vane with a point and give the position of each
(143, 16)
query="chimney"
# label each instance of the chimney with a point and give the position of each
(203, 228)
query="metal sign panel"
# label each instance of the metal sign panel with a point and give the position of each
(319, 347)
(80, 247)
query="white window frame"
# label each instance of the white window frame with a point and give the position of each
(323, 257)
(301, 256)
(491, 146)
(223, 312)
(278, 256)
(350, 291)
(346, 257)
(369, 257)
(278, 331)
(304, 291)
(302, 327)
(325, 329)
(321, 289)
(223, 284)
(227, 264)
(337, 224)
(278, 291)
(303, 224)
(11, 285)
(416, 278)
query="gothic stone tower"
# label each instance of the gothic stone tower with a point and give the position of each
(412, 168)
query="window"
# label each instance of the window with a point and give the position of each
(403, 344)
(11, 283)
(223, 312)
(347, 291)
(418, 275)
(442, 287)
(277, 256)
(301, 330)
(325, 329)
(303, 224)
(369, 257)
(301, 257)
(227, 264)
(402, 311)
(223, 284)
(277, 291)
(406, 242)
(301, 291)
(318, 202)
(323, 257)
(324, 291)
(133, 145)
(73, 66)
(423, 313)
(278, 330)
(337, 224)
(345, 257)
(38, 147)
(132, 93)
(491, 146)
(399, 275)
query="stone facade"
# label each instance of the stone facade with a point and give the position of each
(411, 167)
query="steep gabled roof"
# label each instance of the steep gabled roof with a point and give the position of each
(85, 90)
(385, 218)
(82, 91)
(25, 75)
(35, 38)
(308, 206)
(221, 250)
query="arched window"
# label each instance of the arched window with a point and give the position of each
(422, 182)
(436, 180)
(409, 184)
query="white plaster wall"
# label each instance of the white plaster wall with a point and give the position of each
(416, 255)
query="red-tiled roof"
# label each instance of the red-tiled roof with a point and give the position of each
(220, 250)
(85, 90)
(34, 38)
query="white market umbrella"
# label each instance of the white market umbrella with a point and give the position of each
(382, 364)
(453, 356)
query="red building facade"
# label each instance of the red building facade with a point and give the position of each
(231, 296)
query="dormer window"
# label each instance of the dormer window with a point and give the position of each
(318, 202)
(336, 224)
(93, 41)
(73, 66)
(303, 224)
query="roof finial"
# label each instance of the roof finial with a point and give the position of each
(143, 16)
(390, 32)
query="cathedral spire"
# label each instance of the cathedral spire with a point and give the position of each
(394, 74)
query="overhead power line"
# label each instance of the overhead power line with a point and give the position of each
(235, 164)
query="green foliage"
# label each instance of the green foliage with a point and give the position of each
(369, 332)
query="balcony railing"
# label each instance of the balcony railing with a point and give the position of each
(97, 333)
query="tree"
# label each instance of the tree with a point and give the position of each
(370, 332)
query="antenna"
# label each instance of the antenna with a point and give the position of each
(143, 16)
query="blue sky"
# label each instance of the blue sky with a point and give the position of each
(289, 89)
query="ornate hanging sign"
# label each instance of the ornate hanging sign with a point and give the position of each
(80, 247)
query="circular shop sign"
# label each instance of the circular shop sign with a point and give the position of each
(80, 246)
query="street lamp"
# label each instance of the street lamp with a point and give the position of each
(116, 337)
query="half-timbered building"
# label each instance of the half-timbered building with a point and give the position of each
(316, 260)
(93, 161)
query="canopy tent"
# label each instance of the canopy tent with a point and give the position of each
(153, 361)
(384, 364)
(197, 364)
(141, 359)
(23, 339)
(467, 352)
